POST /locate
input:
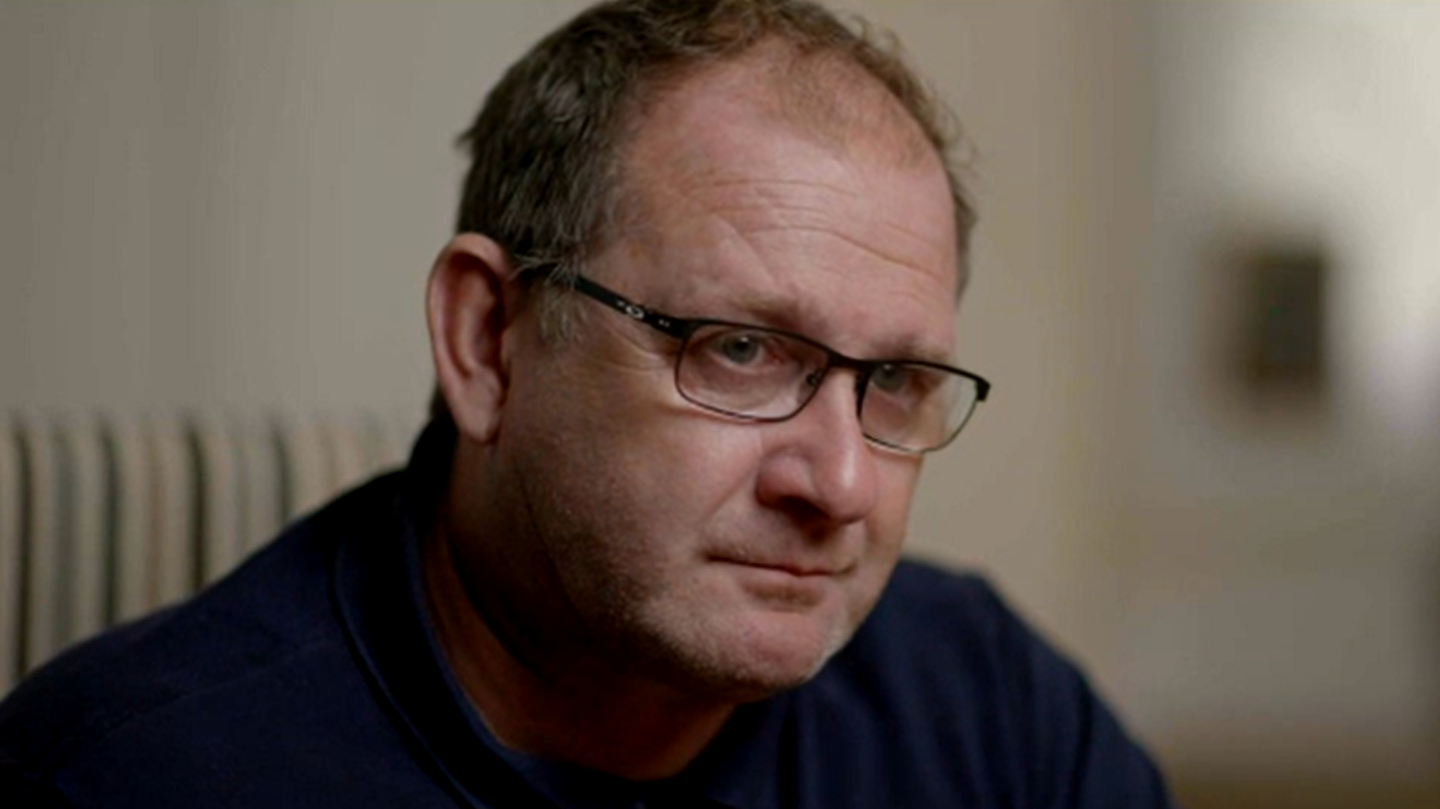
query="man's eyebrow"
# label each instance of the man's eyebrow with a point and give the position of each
(911, 348)
(796, 316)
(770, 310)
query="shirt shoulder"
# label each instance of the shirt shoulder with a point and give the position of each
(972, 702)
(157, 690)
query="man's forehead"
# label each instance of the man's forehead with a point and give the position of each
(737, 121)
(821, 96)
(723, 157)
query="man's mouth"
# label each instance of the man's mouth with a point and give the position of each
(795, 568)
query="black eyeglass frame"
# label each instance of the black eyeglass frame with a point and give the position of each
(683, 328)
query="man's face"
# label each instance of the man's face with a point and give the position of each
(725, 556)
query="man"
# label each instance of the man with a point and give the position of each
(691, 344)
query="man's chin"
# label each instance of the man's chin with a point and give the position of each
(762, 657)
(751, 684)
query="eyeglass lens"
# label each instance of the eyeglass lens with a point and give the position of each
(761, 374)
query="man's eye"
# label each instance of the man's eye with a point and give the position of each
(740, 349)
(892, 378)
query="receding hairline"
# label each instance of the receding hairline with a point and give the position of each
(823, 93)
(821, 96)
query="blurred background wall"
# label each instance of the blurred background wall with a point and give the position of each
(234, 204)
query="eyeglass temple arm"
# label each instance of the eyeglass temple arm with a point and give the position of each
(625, 306)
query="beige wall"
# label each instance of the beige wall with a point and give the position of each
(231, 202)
(1287, 560)
(234, 204)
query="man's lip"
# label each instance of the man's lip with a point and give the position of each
(796, 569)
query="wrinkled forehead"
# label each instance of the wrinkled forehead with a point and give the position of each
(737, 124)
(790, 194)
(824, 97)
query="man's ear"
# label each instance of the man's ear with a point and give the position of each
(466, 309)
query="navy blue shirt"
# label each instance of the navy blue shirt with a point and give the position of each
(311, 677)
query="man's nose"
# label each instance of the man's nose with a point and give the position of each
(818, 464)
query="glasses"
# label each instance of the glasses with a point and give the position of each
(763, 374)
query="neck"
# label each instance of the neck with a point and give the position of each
(551, 700)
